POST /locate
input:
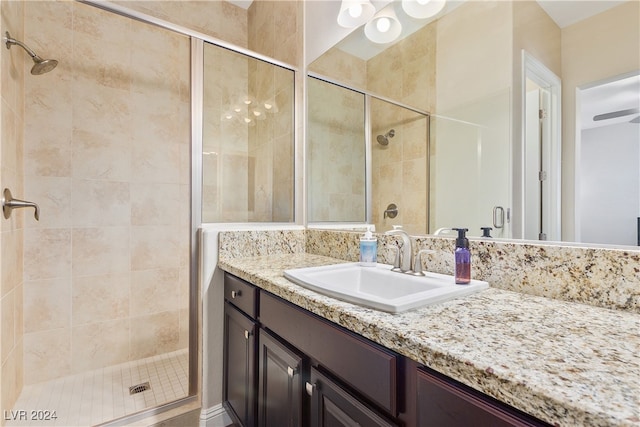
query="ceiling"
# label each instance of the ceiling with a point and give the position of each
(323, 32)
(563, 13)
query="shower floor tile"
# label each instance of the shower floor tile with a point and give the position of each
(102, 395)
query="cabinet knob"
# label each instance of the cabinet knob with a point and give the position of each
(247, 334)
(291, 371)
(235, 294)
(310, 388)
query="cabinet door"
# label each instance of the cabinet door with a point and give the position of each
(239, 366)
(442, 402)
(280, 384)
(332, 406)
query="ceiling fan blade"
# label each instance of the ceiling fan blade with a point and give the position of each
(614, 114)
(636, 120)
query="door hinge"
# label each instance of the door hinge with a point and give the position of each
(542, 176)
(542, 114)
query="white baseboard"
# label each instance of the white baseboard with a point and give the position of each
(215, 416)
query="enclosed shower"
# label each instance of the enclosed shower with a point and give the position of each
(104, 301)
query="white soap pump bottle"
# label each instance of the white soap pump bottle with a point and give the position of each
(368, 249)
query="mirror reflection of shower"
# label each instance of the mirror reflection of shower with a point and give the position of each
(40, 65)
(384, 139)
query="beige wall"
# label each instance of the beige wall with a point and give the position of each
(12, 77)
(275, 30)
(345, 68)
(597, 48)
(219, 19)
(107, 156)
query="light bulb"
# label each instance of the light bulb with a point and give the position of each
(355, 10)
(422, 2)
(228, 117)
(247, 120)
(256, 113)
(237, 109)
(267, 106)
(383, 24)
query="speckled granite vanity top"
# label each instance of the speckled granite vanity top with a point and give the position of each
(566, 363)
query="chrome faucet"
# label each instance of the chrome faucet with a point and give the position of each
(403, 258)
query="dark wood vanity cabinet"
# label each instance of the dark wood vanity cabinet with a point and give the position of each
(280, 383)
(239, 382)
(287, 367)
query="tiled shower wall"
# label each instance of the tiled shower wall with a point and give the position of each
(12, 77)
(107, 157)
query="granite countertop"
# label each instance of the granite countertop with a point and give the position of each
(565, 363)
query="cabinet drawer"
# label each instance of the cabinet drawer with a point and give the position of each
(443, 402)
(367, 367)
(241, 294)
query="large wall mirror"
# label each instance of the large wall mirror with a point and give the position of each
(534, 111)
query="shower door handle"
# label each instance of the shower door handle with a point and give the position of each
(9, 204)
(498, 216)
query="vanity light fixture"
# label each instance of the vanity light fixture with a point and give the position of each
(354, 13)
(384, 27)
(422, 9)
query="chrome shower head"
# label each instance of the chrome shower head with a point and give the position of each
(384, 139)
(40, 65)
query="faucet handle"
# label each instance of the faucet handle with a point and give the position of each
(396, 259)
(417, 261)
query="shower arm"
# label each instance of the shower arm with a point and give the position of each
(11, 41)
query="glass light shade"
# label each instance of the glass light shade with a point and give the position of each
(354, 13)
(422, 9)
(384, 27)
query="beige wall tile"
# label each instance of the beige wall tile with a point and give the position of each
(47, 304)
(99, 155)
(47, 253)
(100, 203)
(155, 291)
(155, 334)
(155, 247)
(10, 380)
(156, 164)
(101, 298)
(100, 250)
(8, 325)
(47, 355)
(12, 243)
(100, 344)
(155, 204)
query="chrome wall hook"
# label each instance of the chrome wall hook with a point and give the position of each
(9, 204)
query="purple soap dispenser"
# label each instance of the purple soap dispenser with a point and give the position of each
(463, 258)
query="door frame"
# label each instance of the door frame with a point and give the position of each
(536, 71)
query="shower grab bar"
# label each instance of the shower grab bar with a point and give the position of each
(9, 204)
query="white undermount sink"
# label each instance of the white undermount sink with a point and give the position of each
(379, 287)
